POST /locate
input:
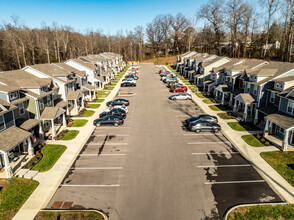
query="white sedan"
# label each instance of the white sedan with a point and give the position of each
(117, 106)
(181, 96)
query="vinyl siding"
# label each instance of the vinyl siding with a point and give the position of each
(8, 118)
(283, 105)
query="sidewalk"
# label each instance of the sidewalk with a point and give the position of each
(49, 181)
(252, 154)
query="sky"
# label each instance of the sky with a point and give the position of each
(108, 15)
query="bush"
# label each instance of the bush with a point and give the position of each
(258, 136)
(30, 164)
(35, 159)
(267, 143)
(262, 140)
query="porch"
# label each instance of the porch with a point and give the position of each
(54, 121)
(76, 101)
(222, 94)
(89, 92)
(13, 151)
(244, 106)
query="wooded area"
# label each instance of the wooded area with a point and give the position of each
(233, 28)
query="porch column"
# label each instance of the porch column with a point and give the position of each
(76, 106)
(256, 116)
(82, 105)
(8, 169)
(204, 88)
(285, 141)
(235, 106)
(63, 119)
(53, 129)
(223, 98)
(30, 147)
(231, 99)
(41, 132)
(67, 110)
(94, 94)
(245, 112)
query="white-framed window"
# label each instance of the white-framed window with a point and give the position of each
(44, 89)
(2, 123)
(49, 100)
(290, 107)
(13, 95)
(21, 108)
(272, 97)
(282, 130)
(42, 106)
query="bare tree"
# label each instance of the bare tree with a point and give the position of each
(246, 21)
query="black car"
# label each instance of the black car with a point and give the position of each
(109, 120)
(115, 111)
(123, 102)
(127, 84)
(208, 118)
(132, 76)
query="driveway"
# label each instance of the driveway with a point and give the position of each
(153, 168)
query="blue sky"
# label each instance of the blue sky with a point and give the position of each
(109, 15)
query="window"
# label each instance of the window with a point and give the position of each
(41, 104)
(272, 98)
(13, 95)
(2, 123)
(282, 130)
(48, 100)
(290, 108)
(21, 108)
(44, 89)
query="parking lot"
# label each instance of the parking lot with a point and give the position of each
(153, 168)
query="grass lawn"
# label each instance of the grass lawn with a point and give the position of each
(263, 212)
(89, 113)
(51, 154)
(252, 141)
(225, 115)
(101, 93)
(218, 108)
(208, 101)
(100, 100)
(108, 88)
(68, 215)
(282, 162)
(94, 105)
(14, 194)
(79, 122)
(114, 81)
(239, 126)
(70, 135)
(200, 95)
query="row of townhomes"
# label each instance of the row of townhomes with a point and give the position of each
(38, 99)
(258, 92)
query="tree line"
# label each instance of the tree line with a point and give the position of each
(233, 28)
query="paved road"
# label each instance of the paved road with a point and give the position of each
(152, 168)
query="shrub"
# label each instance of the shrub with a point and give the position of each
(39, 155)
(30, 164)
(262, 140)
(258, 136)
(267, 143)
(35, 159)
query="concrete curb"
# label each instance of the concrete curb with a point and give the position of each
(74, 210)
(274, 183)
(244, 205)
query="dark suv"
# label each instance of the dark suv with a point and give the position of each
(118, 102)
(109, 120)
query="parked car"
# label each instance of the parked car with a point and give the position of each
(170, 75)
(179, 89)
(109, 120)
(123, 102)
(129, 80)
(117, 106)
(132, 76)
(115, 111)
(171, 79)
(169, 84)
(203, 117)
(199, 126)
(128, 84)
(181, 96)
(165, 73)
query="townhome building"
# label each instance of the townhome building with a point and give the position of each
(81, 80)
(64, 81)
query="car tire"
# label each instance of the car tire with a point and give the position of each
(174, 98)
(98, 125)
(216, 130)
(115, 124)
(197, 130)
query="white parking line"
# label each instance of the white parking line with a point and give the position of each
(104, 127)
(203, 134)
(215, 142)
(105, 185)
(230, 182)
(183, 116)
(215, 166)
(215, 153)
(102, 154)
(108, 143)
(117, 135)
(96, 168)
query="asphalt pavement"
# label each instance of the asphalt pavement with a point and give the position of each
(153, 168)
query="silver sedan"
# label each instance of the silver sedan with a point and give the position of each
(181, 96)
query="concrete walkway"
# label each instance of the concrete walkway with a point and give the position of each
(252, 154)
(49, 181)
